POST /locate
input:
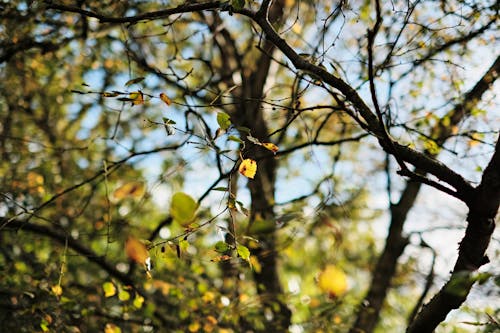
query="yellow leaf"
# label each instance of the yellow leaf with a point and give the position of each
(56, 290)
(34, 179)
(35, 182)
(270, 146)
(194, 327)
(431, 146)
(255, 264)
(212, 320)
(475, 139)
(224, 257)
(165, 99)
(137, 97)
(123, 295)
(248, 168)
(109, 289)
(333, 281)
(297, 28)
(208, 297)
(132, 189)
(136, 250)
(112, 328)
(138, 301)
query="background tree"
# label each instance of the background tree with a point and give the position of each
(130, 132)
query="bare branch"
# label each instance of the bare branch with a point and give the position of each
(160, 14)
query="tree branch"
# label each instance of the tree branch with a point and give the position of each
(185, 8)
(386, 265)
(62, 238)
(419, 160)
(471, 254)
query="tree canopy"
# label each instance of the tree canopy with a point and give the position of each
(249, 166)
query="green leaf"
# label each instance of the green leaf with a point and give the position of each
(168, 121)
(133, 81)
(123, 295)
(224, 120)
(482, 277)
(243, 129)
(222, 247)
(260, 226)
(243, 252)
(138, 301)
(183, 208)
(235, 139)
(44, 325)
(183, 245)
(222, 189)
(238, 4)
(459, 284)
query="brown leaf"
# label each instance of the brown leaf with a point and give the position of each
(136, 250)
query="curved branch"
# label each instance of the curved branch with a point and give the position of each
(62, 238)
(185, 8)
(419, 160)
(471, 253)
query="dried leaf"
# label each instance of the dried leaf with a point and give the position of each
(34, 179)
(224, 257)
(109, 94)
(165, 99)
(253, 140)
(133, 189)
(248, 168)
(136, 250)
(270, 146)
(137, 97)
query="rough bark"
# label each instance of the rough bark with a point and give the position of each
(483, 209)
(368, 315)
(262, 187)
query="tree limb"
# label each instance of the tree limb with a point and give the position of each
(471, 254)
(184, 8)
